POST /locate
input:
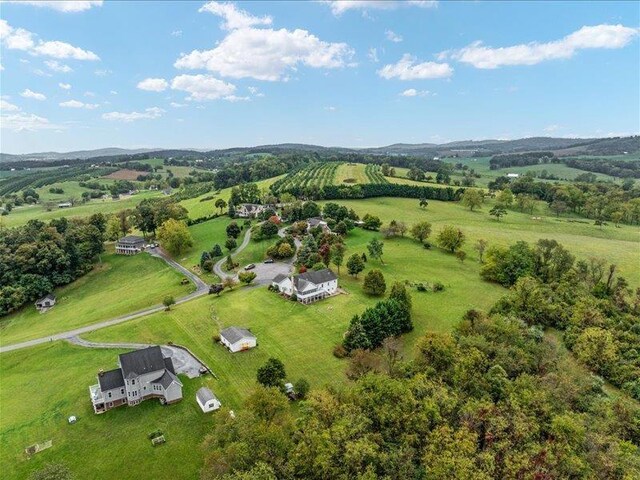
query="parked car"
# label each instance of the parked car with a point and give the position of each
(269, 260)
(251, 266)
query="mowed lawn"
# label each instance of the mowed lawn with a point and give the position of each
(119, 285)
(42, 386)
(584, 239)
(353, 171)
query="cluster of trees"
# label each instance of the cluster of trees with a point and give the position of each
(321, 251)
(388, 318)
(521, 159)
(599, 201)
(285, 247)
(608, 166)
(245, 193)
(493, 400)
(149, 214)
(598, 312)
(207, 258)
(36, 258)
(368, 190)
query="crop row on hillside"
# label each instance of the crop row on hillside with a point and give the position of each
(40, 179)
(314, 175)
(374, 173)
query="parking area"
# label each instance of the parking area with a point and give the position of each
(265, 272)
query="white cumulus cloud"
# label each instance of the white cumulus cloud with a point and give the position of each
(149, 113)
(587, 37)
(153, 84)
(33, 95)
(393, 36)
(78, 104)
(202, 87)
(8, 107)
(267, 54)
(338, 7)
(21, 39)
(373, 55)
(57, 66)
(407, 68)
(65, 86)
(66, 6)
(20, 122)
(412, 92)
(233, 16)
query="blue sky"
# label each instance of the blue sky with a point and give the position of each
(79, 75)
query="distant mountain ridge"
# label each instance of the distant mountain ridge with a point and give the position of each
(561, 146)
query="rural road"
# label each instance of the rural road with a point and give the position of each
(201, 289)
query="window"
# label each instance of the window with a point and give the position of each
(133, 382)
(109, 394)
(122, 391)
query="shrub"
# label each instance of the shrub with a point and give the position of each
(428, 245)
(420, 287)
(339, 351)
(216, 338)
(438, 287)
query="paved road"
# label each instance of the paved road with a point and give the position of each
(183, 362)
(201, 289)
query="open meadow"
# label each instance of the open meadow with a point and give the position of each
(120, 284)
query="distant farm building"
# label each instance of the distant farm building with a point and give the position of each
(513, 175)
(65, 205)
(318, 222)
(130, 245)
(46, 302)
(207, 401)
(237, 339)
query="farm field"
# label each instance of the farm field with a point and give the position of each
(351, 171)
(121, 284)
(21, 215)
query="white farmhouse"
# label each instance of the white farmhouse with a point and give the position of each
(249, 210)
(207, 401)
(308, 287)
(237, 339)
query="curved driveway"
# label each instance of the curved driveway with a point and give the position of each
(201, 289)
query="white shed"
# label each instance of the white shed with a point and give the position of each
(207, 400)
(237, 339)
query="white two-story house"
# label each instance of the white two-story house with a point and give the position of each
(142, 374)
(308, 287)
(249, 210)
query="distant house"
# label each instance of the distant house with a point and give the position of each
(207, 400)
(130, 245)
(237, 339)
(308, 287)
(142, 374)
(153, 187)
(513, 175)
(65, 205)
(46, 302)
(318, 222)
(249, 210)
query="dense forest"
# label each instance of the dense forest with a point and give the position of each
(615, 168)
(36, 258)
(521, 159)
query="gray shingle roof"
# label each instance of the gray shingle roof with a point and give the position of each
(205, 395)
(48, 297)
(280, 277)
(314, 221)
(133, 239)
(233, 334)
(166, 379)
(111, 379)
(317, 277)
(142, 361)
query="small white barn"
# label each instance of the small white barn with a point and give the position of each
(238, 339)
(207, 400)
(513, 175)
(283, 283)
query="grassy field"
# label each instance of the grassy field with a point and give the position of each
(21, 215)
(121, 284)
(351, 171)
(42, 386)
(301, 336)
(581, 237)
